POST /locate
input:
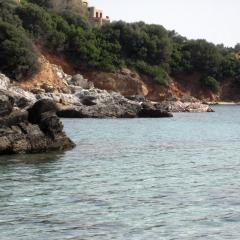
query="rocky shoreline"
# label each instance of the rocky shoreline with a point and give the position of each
(79, 99)
(29, 119)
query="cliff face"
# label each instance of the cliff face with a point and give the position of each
(128, 82)
(47, 76)
(179, 86)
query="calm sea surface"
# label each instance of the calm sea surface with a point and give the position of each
(129, 179)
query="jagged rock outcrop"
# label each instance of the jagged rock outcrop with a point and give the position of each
(4, 82)
(185, 104)
(96, 103)
(20, 97)
(35, 130)
(81, 100)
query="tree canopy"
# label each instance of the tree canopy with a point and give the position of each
(148, 48)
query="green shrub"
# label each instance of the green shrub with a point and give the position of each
(75, 19)
(7, 12)
(18, 57)
(42, 3)
(211, 84)
(158, 73)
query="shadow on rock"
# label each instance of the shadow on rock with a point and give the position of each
(36, 130)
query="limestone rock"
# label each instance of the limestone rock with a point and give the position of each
(21, 97)
(6, 103)
(61, 74)
(79, 80)
(96, 103)
(34, 131)
(4, 82)
(185, 104)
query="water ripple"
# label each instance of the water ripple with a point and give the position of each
(129, 180)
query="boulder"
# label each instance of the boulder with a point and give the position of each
(40, 107)
(71, 112)
(88, 100)
(34, 131)
(50, 124)
(4, 82)
(6, 103)
(21, 93)
(21, 97)
(79, 80)
(149, 110)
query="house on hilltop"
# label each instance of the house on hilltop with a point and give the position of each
(96, 16)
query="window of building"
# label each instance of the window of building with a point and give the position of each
(96, 14)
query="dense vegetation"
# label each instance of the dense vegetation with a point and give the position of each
(150, 49)
(18, 57)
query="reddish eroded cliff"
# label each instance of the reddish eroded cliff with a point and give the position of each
(129, 82)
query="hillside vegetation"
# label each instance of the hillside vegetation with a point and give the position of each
(149, 49)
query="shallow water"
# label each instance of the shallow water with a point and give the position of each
(129, 179)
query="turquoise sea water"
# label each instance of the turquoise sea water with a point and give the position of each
(133, 179)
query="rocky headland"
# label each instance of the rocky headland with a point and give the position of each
(77, 98)
(29, 116)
